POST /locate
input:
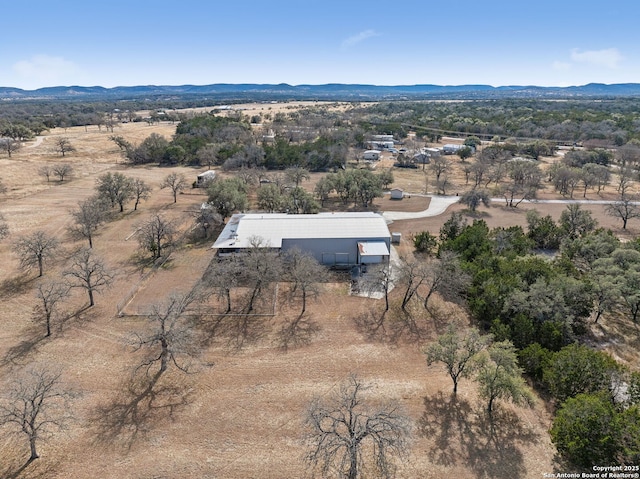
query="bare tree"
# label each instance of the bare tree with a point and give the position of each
(296, 175)
(140, 191)
(625, 178)
(345, 433)
(62, 170)
(50, 294)
(88, 272)
(205, 219)
(625, 209)
(35, 250)
(378, 278)
(456, 351)
(116, 187)
(439, 166)
(305, 274)
(444, 275)
(63, 145)
(34, 404)
(208, 154)
(412, 274)
(46, 171)
(262, 267)
(88, 218)
(222, 275)
(156, 234)
(10, 145)
(175, 182)
(169, 338)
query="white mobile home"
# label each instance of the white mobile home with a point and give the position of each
(371, 155)
(333, 239)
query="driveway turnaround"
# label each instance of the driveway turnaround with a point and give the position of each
(437, 206)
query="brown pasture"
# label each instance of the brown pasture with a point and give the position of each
(240, 413)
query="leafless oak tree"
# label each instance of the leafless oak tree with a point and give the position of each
(141, 191)
(10, 145)
(35, 250)
(412, 274)
(175, 182)
(156, 234)
(50, 294)
(88, 218)
(262, 266)
(116, 187)
(63, 145)
(88, 272)
(443, 275)
(345, 433)
(625, 209)
(169, 337)
(222, 276)
(378, 278)
(34, 404)
(46, 171)
(62, 170)
(305, 274)
(205, 219)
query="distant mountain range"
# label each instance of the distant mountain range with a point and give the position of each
(331, 91)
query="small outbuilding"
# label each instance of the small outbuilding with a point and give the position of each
(396, 193)
(203, 179)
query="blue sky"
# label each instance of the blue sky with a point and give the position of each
(140, 42)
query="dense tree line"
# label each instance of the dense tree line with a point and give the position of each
(614, 120)
(541, 307)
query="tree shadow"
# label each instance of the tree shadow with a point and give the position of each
(372, 324)
(15, 285)
(35, 337)
(393, 326)
(32, 468)
(297, 332)
(443, 316)
(233, 331)
(489, 445)
(142, 403)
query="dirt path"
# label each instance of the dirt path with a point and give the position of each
(38, 142)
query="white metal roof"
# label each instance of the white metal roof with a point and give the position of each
(274, 227)
(373, 248)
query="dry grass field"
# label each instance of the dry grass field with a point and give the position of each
(240, 413)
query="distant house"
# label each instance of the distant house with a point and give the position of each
(452, 149)
(383, 138)
(203, 179)
(380, 144)
(333, 239)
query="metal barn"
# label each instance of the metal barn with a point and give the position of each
(333, 239)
